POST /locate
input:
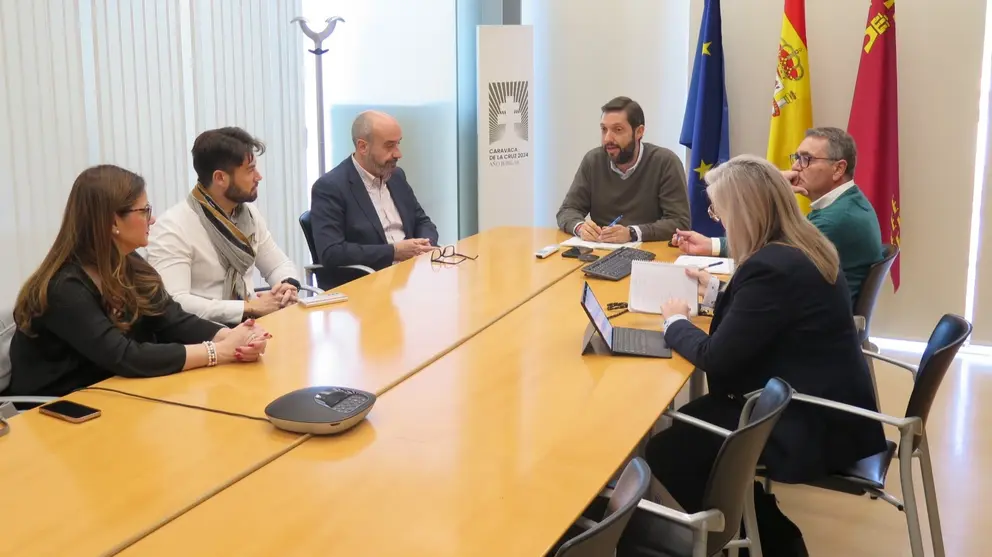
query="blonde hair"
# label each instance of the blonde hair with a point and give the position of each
(757, 207)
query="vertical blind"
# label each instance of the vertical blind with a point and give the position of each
(132, 83)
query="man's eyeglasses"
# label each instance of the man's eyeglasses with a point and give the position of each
(449, 256)
(147, 210)
(712, 212)
(805, 160)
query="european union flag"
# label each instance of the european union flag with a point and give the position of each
(706, 127)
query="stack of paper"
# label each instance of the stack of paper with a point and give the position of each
(576, 242)
(725, 267)
(652, 284)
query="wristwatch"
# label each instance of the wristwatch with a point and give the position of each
(633, 233)
(248, 313)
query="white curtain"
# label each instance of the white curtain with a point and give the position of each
(132, 82)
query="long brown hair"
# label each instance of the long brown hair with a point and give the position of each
(758, 208)
(129, 286)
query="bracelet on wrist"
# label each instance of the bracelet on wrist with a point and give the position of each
(211, 353)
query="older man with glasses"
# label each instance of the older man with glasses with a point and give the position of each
(823, 170)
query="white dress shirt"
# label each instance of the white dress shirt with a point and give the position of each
(832, 196)
(624, 176)
(382, 200)
(181, 251)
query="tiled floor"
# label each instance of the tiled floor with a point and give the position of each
(846, 526)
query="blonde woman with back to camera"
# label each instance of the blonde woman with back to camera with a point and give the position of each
(95, 308)
(785, 313)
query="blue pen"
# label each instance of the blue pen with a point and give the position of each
(615, 221)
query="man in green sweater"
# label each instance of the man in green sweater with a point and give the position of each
(631, 190)
(823, 169)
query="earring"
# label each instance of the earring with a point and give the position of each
(116, 231)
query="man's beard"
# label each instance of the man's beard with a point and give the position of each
(239, 197)
(626, 154)
(384, 170)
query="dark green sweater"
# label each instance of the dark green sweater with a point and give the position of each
(851, 224)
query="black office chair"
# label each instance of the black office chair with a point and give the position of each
(589, 538)
(864, 306)
(872, 286)
(868, 475)
(316, 274)
(659, 531)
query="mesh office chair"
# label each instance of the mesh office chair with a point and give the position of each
(324, 280)
(594, 539)
(868, 475)
(659, 531)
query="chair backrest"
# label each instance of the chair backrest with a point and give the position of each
(308, 235)
(872, 285)
(7, 328)
(733, 470)
(602, 539)
(945, 341)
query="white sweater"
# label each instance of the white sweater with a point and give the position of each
(181, 251)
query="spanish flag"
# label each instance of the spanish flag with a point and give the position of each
(792, 109)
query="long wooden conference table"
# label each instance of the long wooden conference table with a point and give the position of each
(491, 434)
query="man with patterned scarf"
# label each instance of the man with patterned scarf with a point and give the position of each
(206, 246)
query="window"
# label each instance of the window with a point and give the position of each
(399, 57)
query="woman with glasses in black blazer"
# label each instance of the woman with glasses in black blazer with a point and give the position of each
(95, 308)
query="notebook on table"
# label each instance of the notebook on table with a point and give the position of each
(653, 283)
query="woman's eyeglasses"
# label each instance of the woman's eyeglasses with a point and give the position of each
(147, 210)
(449, 256)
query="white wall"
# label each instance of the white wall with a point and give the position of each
(938, 113)
(586, 53)
(132, 83)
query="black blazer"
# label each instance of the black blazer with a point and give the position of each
(75, 345)
(779, 318)
(346, 226)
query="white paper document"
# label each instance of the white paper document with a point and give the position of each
(725, 267)
(576, 242)
(652, 284)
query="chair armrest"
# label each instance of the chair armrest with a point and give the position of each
(909, 423)
(900, 364)
(363, 268)
(685, 418)
(316, 267)
(27, 399)
(711, 520)
(311, 290)
(8, 410)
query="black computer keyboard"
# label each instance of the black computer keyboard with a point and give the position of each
(616, 265)
(631, 341)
